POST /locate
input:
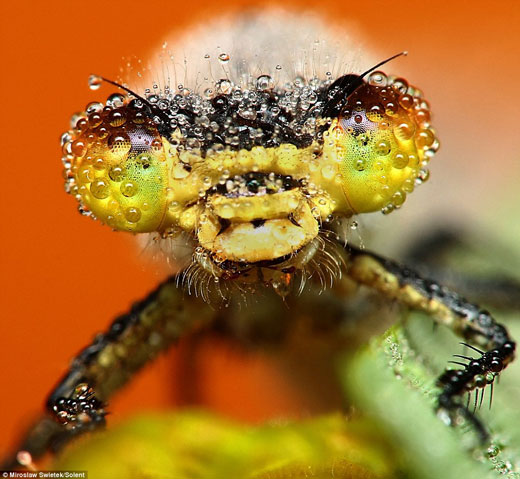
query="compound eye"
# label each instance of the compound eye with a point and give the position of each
(116, 165)
(384, 141)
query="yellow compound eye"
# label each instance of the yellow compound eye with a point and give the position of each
(118, 169)
(384, 141)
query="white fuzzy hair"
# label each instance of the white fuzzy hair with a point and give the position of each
(274, 42)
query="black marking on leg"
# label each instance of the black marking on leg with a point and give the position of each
(77, 404)
(81, 410)
(465, 318)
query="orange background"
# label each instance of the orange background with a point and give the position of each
(64, 277)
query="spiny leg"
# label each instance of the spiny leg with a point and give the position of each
(77, 403)
(495, 347)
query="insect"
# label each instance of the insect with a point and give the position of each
(259, 177)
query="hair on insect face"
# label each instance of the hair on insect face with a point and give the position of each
(256, 172)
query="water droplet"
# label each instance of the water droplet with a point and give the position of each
(386, 210)
(99, 164)
(376, 113)
(119, 144)
(247, 113)
(79, 122)
(408, 185)
(423, 176)
(94, 107)
(398, 198)
(493, 451)
(78, 148)
(425, 138)
(406, 101)
(94, 82)
(95, 120)
(156, 144)
(404, 130)
(132, 214)
(115, 100)
(224, 86)
(116, 173)
(383, 148)
(400, 160)
(400, 84)
(377, 79)
(226, 211)
(299, 82)
(223, 57)
(361, 164)
(100, 189)
(116, 118)
(264, 82)
(422, 116)
(102, 132)
(85, 174)
(391, 108)
(65, 138)
(129, 189)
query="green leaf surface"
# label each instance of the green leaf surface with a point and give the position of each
(404, 408)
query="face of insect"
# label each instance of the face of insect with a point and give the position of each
(252, 175)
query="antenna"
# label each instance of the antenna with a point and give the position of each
(370, 70)
(344, 86)
(161, 114)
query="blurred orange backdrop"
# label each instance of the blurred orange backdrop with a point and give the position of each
(64, 277)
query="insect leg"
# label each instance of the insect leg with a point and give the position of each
(495, 349)
(77, 403)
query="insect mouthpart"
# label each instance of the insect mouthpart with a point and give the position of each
(256, 217)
